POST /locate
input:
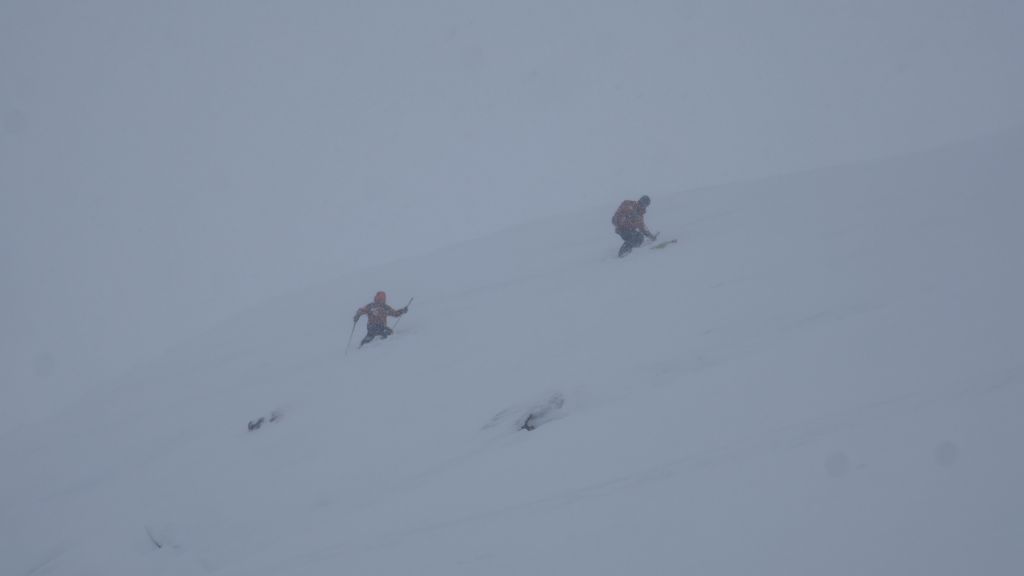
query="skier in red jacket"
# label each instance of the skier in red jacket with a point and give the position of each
(377, 313)
(629, 224)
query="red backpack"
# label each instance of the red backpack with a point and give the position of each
(624, 214)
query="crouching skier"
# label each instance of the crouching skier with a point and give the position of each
(629, 224)
(377, 313)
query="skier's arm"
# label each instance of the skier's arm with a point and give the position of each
(393, 312)
(359, 313)
(643, 228)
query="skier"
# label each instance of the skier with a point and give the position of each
(629, 224)
(377, 313)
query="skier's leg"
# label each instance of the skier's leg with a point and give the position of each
(385, 332)
(638, 238)
(627, 242)
(366, 339)
(631, 239)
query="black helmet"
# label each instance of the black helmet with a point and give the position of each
(645, 201)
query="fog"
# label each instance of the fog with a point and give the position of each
(164, 166)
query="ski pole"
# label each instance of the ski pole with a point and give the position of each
(400, 318)
(354, 322)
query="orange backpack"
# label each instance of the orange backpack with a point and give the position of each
(624, 214)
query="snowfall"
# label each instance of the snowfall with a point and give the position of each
(823, 375)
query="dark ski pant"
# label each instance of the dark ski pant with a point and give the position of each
(374, 331)
(630, 239)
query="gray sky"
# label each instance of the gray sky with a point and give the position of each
(163, 165)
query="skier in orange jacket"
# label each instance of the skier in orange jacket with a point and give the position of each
(629, 224)
(377, 313)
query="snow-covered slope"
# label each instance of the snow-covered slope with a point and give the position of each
(822, 377)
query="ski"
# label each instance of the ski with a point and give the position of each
(663, 243)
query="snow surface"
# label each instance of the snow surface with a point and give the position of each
(165, 165)
(824, 376)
